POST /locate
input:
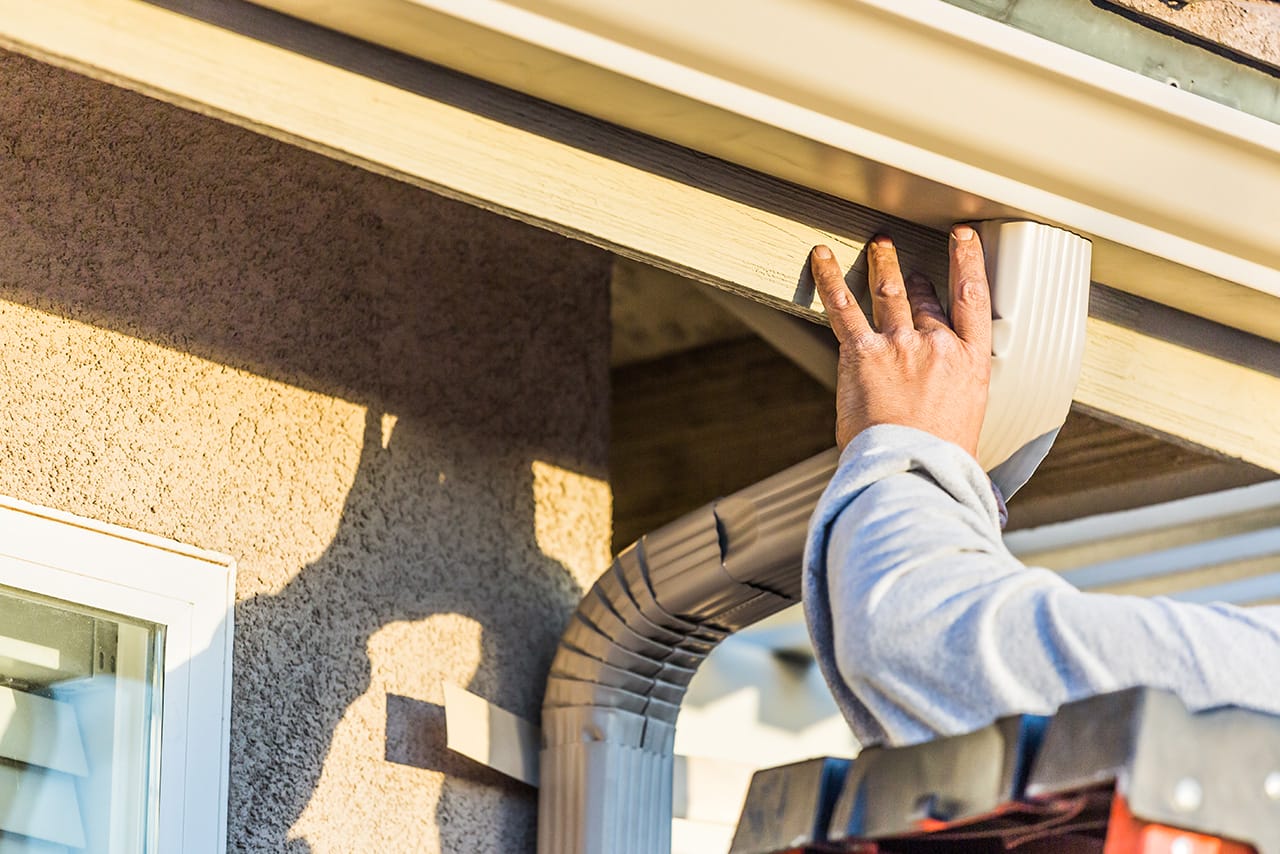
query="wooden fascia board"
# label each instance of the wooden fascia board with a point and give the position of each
(1182, 376)
(912, 107)
(665, 206)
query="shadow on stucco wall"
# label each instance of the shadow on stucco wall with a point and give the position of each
(406, 549)
(345, 383)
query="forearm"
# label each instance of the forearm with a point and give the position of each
(924, 624)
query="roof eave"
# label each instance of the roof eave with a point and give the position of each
(912, 107)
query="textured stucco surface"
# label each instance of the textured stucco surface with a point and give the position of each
(1251, 27)
(390, 408)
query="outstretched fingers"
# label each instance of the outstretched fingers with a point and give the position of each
(843, 312)
(970, 293)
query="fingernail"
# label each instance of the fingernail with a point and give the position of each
(822, 253)
(882, 240)
(962, 233)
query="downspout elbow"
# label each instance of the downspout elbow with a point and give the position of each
(633, 644)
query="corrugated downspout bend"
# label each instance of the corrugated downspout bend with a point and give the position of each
(626, 658)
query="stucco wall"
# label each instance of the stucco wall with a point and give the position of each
(1251, 27)
(390, 408)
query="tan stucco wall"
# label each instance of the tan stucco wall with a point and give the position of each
(390, 408)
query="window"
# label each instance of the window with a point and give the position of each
(114, 688)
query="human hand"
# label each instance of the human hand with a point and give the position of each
(915, 367)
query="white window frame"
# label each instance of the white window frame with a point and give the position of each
(190, 592)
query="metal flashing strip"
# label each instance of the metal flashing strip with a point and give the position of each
(1112, 536)
(1168, 562)
(1174, 190)
(1221, 547)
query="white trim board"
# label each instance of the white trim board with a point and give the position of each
(189, 591)
(849, 98)
(665, 206)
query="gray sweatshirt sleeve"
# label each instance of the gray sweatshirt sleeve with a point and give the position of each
(924, 624)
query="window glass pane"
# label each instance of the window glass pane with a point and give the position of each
(79, 727)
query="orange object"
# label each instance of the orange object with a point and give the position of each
(1127, 834)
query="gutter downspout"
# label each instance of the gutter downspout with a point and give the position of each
(627, 656)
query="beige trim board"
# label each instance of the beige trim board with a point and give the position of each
(665, 206)
(913, 107)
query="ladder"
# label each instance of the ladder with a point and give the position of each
(1131, 772)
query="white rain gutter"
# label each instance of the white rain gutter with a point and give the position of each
(912, 107)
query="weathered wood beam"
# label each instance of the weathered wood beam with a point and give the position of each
(667, 206)
(1182, 377)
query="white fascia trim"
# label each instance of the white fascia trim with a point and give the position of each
(1174, 189)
